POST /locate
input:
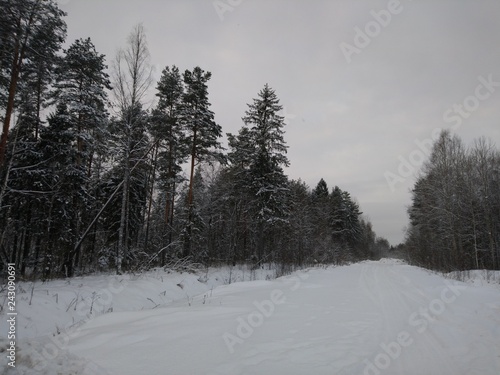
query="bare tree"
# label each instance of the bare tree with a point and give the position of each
(132, 78)
(485, 176)
(456, 205)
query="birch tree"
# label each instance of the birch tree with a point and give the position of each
(132, 77)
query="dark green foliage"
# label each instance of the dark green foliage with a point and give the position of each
(202, 133)
(172, 149)
(257, 157)
(66, 181)
(81, 83)
(31, 33)
(82, 191)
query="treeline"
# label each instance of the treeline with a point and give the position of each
(98, 183)
(455, 213)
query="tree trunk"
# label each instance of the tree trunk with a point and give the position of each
(122, 241)
(193, 161)
(17, 61)
(14, 77)
(151, 191)
(187, 243)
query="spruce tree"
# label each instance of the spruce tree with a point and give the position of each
(299, 233)
(65, 180)
(257, 157)
(321, 206)
(22, 194)
(321, 190)
(345, 225)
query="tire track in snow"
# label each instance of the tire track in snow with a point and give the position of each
(396, 298)
(332, 324)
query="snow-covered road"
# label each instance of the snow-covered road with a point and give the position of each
(367, 318)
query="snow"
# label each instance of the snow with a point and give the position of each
(46, 308)
(476, 277)
(49, 313)
(382, 317)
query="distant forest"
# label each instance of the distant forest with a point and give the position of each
(92, 181)
(455, 212)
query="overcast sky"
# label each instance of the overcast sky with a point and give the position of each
(362, 82)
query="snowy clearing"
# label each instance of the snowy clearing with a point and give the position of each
(368, 318)
(51, 312)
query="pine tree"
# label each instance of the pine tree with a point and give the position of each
(201, 129)
(29, 29)
(31, 34)
(168, 131)
(192, 220)
(81, 84)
